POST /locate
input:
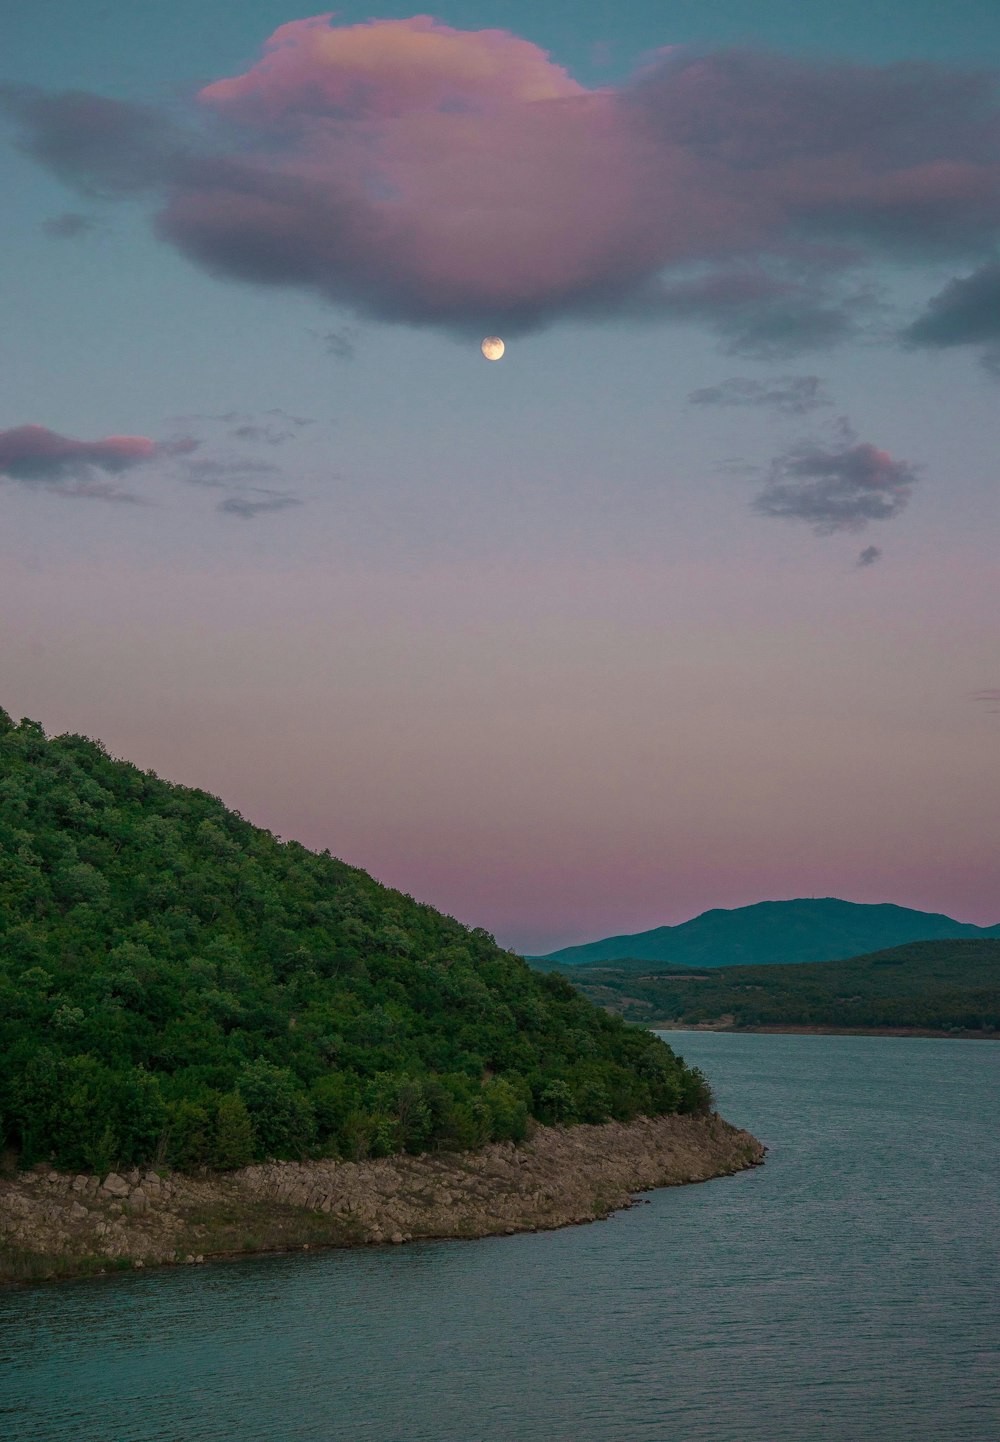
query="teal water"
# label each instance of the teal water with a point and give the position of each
(847, 1290)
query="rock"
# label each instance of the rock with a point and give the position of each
(137, 1265)
(132, 1177)
(115, 1185)
(396, 1238)
(137, 1201)
(80, 1183)
(78, 1211)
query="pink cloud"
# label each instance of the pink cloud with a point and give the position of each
(462, 178)
(32, 452)
(389, 69)
(36, 455)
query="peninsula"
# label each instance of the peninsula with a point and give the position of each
(216, 1041)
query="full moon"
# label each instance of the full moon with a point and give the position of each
(492, 347)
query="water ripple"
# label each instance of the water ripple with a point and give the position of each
(846, 1292)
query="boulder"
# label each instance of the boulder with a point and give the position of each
(115, 1185)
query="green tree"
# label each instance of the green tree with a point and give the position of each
(235, 1142)
(283, 1120)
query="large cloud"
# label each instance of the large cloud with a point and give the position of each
(419, 173)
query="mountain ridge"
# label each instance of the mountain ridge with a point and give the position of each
(802, 929)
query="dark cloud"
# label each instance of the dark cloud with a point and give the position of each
(869, 556)
(248, 507)
(965, 313)
(417, 173)
(69, 225)
(104, 148)
(790, 395)
(838, 488)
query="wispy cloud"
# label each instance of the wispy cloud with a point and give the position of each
(341, 343)
(869, 556)
(249, 507)
(789, 395)
(69, 226)
(215, 474)
(989, 698)
(251, 431)
(419, 173)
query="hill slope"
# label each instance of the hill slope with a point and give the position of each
(773, 932)
(926, 985)
(177, 985)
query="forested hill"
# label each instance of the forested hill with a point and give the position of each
(946, 986)
(770, 932)
(178, 986)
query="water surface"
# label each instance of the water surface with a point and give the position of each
(847, 1290)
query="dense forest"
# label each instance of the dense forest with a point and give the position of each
(179, 987)
(927, 985)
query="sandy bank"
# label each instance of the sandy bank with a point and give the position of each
(55, 1225)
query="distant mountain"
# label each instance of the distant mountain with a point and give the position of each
(948, 986)
(809, 929)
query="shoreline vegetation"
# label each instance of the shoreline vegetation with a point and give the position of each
(56, 1225)
(948, 988)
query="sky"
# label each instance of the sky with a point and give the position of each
(688, 601)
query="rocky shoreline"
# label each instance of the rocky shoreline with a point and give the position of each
(53, 1225)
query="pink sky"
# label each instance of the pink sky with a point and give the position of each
(690, 601)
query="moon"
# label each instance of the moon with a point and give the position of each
(493, 347)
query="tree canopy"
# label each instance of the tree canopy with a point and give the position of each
(179, 987)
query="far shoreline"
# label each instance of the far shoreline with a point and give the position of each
(795, 1029)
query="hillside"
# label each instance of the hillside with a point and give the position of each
(772, 932)
(177, 986)
(927, 985)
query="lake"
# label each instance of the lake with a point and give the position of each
(846, 1290)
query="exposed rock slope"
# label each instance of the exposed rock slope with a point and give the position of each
(53, 1224)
